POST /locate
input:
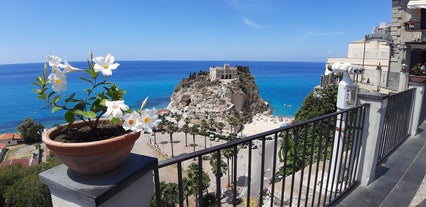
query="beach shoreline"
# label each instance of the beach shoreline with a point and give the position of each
(262, 123)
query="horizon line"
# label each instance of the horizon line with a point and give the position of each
(177, 60)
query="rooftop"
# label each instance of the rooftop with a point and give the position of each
(7, 136)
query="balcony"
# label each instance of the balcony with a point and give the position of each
(411, 26)
(362, 156)
(400, 180)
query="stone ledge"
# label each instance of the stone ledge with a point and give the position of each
(372, 95)
(95, 190)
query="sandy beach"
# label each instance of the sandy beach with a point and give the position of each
(262, 123)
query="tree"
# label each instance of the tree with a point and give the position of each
(186, 130)
(187, 189)
(228, 153)
(170, 129)
(154, 131)
(204, 127)
(193, 177)
(178, 117)
(28, 191)
(232, 122)
(211, 122)
(240, 128)
(194, 131)
(169, 195)
(220, 126)
(8, 176)
(187, 120)
(317, 105)
(324, 102)
(20, 186)
(214, 164)
(30, 130)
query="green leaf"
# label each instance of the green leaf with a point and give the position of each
(56, 98)
(87, 114)
(71, 98)
(69, 116)
(86, 79)
(115, 93)
(42, 96)
(50, 94)
(56, 108)
(97, 106)
(92, 73)
(38, 91)
(115, 121)
(79, 106)
(40, 80)
(37, 84)
(101, 96)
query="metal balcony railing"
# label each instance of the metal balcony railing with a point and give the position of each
(396, 123)
(312, 163)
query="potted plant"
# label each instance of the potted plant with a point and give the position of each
(409, 25)
(417, 73)
(101, 129)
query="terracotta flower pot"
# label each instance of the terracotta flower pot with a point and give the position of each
(91, 158)
(417, 78)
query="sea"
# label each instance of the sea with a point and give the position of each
(284, 85)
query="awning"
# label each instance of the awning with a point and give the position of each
(417, 4)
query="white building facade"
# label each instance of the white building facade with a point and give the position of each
(222, 73)
(372, 53)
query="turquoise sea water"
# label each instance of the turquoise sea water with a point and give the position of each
(283, 84)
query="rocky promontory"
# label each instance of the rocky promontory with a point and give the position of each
(222, 98)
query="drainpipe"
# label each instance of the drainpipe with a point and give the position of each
(378, 77)
(403, 78)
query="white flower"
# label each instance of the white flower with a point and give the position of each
(149, 119)
(58, 79)
(69, 68)
(115, 109)
(54, 62)
(133, 122)
(105, 64)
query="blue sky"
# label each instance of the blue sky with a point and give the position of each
(280, 30)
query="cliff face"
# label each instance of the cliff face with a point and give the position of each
(198, 97)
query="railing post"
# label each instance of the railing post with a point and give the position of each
(373, 127)
(417, 106)
(129, 185)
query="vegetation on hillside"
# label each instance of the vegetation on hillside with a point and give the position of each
(20, 186)
(317, 104)
(296, 150)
